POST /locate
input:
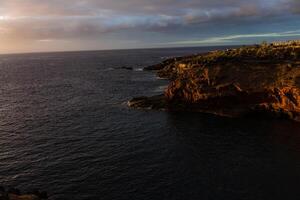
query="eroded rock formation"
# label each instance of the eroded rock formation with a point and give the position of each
(261, 79)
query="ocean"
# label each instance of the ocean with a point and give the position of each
(65, 129)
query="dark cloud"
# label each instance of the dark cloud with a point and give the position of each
(294, 6)
(96, 7)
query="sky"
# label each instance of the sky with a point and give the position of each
(70, 25)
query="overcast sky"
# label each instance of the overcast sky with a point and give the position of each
(59, 25)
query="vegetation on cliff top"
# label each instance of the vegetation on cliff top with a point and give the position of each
(277, 52)
(273, 52)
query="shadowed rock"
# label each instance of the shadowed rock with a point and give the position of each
(155, 102)
(15, 194)
(127, 68)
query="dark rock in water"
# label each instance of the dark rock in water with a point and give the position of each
(154, 67)
(15, 194)
(255, 79)
(155, 102)
(127, 68)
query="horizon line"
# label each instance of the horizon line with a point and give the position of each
(122, 49)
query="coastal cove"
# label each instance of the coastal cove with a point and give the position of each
(64, 129)
(149, 100)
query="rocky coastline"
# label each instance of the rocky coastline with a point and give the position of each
(260, 79)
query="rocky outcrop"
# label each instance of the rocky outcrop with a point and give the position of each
(15, 194)
(155, 102)
(262, 79)
(162, 65)
(127, 68)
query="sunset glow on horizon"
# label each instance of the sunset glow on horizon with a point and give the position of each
(67, 25)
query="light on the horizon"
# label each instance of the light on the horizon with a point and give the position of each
(3, 17)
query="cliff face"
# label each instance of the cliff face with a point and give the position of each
(257, 79)
(237, 89)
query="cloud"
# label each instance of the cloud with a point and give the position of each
(95, 7)
(232, 38)
(294, 6)
(200, 16)
(36, 20)
(58, 27)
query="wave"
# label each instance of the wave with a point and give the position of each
(161, 88)
(138, 69)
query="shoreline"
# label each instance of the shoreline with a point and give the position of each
(252, 80)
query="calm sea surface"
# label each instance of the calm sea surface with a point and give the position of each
(64, 129)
